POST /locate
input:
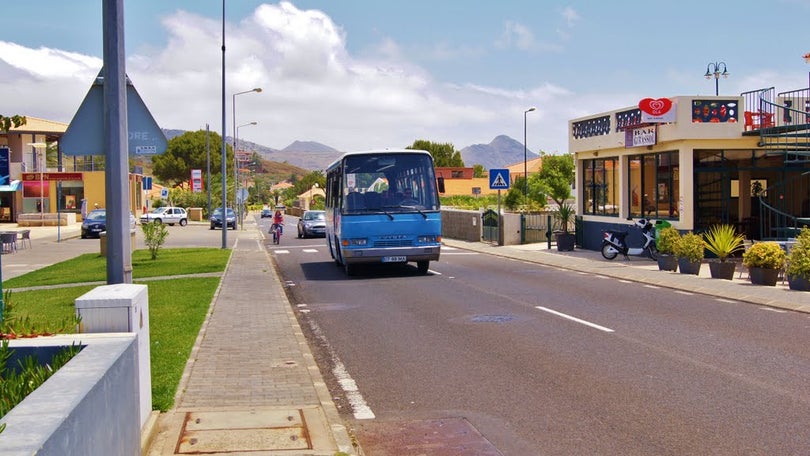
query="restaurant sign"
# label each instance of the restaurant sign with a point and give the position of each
(641, 136)
(51, 176)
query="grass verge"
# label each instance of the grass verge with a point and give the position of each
(177, 307)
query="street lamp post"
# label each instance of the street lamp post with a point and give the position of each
(236, 171)
(233, 107)
(525, 158)
(715, 70)
(224, 149)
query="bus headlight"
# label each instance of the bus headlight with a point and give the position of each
(429, 239)
(361, 242)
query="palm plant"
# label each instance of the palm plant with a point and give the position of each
(723, 241)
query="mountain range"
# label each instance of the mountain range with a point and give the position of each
(499, 153)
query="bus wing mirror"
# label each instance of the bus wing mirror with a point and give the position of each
(441, 184)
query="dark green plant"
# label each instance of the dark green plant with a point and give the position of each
(690, 246)
(799, 259)
(564, 215)
(155, 235)
(17, 383)
(667, 238)
(13, 326)
(723, 241)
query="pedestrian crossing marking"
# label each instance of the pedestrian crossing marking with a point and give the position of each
(310, 250)
(499, 182)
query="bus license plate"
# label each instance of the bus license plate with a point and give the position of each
(394, 259)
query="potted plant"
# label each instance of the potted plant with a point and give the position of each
(564, 216)
(689, 251)
(665, 244)
(764, 260)
(723, 241)
(798, 263)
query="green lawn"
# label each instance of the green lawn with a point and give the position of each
(177, 307)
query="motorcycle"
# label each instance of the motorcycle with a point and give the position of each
(276, 229)
(614, 242)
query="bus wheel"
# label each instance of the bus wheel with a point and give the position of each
(422, 266)
(350, 269)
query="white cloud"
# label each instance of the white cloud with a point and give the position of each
(516, 35)
(313, 89)
(570, 16)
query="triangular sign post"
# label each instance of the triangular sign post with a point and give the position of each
(85, 134)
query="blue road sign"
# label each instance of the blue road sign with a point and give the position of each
(499, 179)
(85, 134)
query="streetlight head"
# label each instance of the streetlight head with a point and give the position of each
(708, 75)
(254, 123)
(531, 109)
(257, 89)
(725, 73)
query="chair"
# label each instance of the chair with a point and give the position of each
(25, 236)
(747, 243)
(9, 241)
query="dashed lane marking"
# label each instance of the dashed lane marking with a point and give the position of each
(310, 250)
(574, 319)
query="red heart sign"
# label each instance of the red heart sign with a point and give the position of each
(655, 107)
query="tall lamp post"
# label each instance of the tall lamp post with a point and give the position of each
(224, 149)
(715, 70)
(525, 158)
(233, 107)
(236, 171)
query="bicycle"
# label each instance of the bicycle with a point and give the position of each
(277, 230)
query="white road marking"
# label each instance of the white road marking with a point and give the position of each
(652, 286)
(434, 272)
(575, 319)
(729, 301)
(773, 310)
(684, 292)
(281, 251)
(310, 250)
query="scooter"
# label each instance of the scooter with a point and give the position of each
(614, 242)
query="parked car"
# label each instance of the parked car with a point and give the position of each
(168, 215)
(96, 222)
(216, 218)
(267, 213)
(312, 223)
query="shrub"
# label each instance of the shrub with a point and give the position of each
(722, 240)
(799, 260)
(667, 238)
(155, 235)
(768, 255)
(690, 246)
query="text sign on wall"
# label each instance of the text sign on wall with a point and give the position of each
(196, 180)
(638, 137)
(659, 110)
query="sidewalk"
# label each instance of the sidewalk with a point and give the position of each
(643, 270)
(251, 385)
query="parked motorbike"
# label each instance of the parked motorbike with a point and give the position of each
(614, 242)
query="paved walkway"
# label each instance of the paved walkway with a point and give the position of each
(251, 385)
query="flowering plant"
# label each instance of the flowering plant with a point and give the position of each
(768, 255)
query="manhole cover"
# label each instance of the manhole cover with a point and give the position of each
(492, 318)
(241, 431)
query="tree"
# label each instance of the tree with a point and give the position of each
(187, 152)
(478, 170)
(556, 176)
(15, 121)
(443, 154)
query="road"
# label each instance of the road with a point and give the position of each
(529, 359)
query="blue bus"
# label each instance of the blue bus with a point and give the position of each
(382, 206)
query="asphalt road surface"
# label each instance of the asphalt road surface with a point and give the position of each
(522, 359)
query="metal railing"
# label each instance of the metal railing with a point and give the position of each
(778, 205)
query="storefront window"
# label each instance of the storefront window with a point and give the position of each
(599, 185)
(654, 183)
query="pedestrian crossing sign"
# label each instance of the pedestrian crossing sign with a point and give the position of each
(499, 179)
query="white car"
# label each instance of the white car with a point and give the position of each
(168, 215)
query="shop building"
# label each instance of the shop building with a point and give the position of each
(696, 162)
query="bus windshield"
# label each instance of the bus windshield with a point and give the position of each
(389, 183)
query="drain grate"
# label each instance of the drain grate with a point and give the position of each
(492, 318)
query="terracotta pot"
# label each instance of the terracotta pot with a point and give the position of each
(667, 262)
(764, 276)
(689, 267)
(798, 283)
(722, 269)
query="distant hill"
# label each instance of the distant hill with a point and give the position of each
(311, 155)
(499, 153)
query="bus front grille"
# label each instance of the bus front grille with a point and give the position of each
(393, 243)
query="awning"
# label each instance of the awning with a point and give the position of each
(12, 187)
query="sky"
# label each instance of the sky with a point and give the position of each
(366, 74)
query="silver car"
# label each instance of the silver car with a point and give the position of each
(312, 223)
(168, 215)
